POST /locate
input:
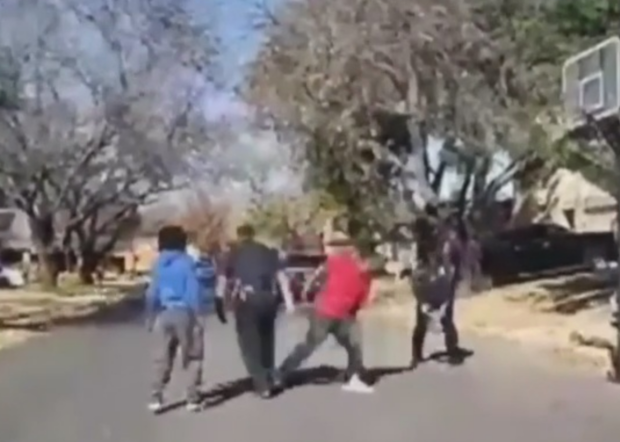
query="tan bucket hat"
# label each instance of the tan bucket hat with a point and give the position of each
(337, 238)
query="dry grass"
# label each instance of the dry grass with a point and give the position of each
(560, 315)
(390, 290)
(28, 312)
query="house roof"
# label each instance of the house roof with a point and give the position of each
(568, 189)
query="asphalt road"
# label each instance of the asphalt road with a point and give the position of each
(89, 384)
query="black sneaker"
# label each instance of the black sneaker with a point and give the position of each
(457, 356)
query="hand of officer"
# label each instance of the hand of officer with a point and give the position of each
(220, 310)
(290, 307)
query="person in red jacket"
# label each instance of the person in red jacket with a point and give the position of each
(344, 292)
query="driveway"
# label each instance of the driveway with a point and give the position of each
(89, 384)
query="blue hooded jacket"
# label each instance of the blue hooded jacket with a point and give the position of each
(174, 283)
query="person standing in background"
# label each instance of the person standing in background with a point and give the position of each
(435, 283)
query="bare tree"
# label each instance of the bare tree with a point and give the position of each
(365, 85)
(206, 222)
(107, 116)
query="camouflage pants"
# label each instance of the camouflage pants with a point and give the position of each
(174, 330)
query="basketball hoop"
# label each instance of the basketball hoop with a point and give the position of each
(591, 85)
(591, 95)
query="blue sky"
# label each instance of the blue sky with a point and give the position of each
(240, 38)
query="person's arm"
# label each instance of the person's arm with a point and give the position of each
(193, 290)
(284, 282)
(220, 298)
(446, 257)
(221, 285)
(318, 273)
(365, 289)
(285, 288)
(152, 298)
(223, 272)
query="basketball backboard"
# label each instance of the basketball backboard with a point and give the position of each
(591, 84)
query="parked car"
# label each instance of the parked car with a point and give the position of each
(299, 266)
(540, 248)
(11, 277)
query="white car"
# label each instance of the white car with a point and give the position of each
(12, 277)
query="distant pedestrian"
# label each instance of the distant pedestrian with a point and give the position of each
(435, 284)
(206, 269)
(344, 291)
(253, 278)
(175, 316)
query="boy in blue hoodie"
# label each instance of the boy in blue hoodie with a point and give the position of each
(175, 315)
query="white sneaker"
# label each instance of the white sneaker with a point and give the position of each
(193, 406)
(156, 404)
(356, 385)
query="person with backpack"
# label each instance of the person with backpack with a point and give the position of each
(434, 285)
(175, 316)
(252, 278)
(344, 291)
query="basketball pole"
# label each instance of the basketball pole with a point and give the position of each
(614, 353)
(609, 134)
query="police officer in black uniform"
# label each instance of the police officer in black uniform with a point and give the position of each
(251, 278)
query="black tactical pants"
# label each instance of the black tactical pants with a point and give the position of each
(255, 325)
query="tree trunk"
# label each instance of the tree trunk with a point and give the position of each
(89, 262)
(47, 269)
(43, 234)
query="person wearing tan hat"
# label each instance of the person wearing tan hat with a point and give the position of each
(344, 291)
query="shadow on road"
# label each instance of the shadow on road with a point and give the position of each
(319, 375)
(218, 395)
(443, 357)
